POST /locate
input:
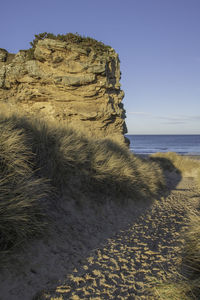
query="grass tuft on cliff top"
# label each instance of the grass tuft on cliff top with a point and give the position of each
(70, 38)
(36, 157)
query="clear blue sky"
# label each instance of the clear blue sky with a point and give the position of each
(158, 42)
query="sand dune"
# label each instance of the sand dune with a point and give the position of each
(115, 253)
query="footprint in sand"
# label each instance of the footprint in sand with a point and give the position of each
(126, 266)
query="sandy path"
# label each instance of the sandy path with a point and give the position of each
(126, 265)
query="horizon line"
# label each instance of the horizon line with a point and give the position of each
(162, 134)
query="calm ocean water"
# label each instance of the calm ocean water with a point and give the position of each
(181, 144)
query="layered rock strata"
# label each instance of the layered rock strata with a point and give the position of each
(67, 82)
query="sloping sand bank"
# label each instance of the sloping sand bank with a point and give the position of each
(106, 252)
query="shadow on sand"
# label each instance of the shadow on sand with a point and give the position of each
(83, 219)
(110, 220)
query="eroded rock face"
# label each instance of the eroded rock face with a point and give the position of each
(66, 82)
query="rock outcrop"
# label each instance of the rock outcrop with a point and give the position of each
(68, 82)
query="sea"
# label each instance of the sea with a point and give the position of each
(181, 144)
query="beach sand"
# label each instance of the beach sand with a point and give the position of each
(104, 252)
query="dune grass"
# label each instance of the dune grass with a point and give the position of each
(188, 286)
(20, 191)
(180, 290)
(36, 156)
(186, 166)
(191, 254)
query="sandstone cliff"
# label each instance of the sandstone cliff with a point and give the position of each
(66, 81)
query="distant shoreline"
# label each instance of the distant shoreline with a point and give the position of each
(184, 145)
(192, 156)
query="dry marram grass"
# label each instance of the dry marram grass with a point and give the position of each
(33, 153)
(188, 286)
(36, 156)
